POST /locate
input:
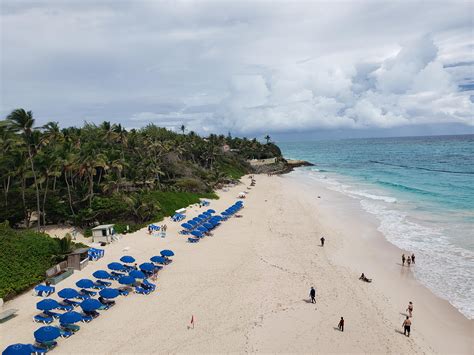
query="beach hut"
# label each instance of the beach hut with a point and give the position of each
(103, 233)
(78, 259)
(181, 210)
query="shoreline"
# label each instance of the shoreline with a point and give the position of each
(247, 286)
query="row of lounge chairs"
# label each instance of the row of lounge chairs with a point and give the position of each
(72, 299)
(203, 224)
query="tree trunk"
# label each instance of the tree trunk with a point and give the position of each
(44, 200)
(91, 188)
(37, 190)
(69, 193)
(7, 187)
(54, 183)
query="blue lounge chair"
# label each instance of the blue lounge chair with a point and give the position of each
(149, 285)
(45, 346)
(65, 307)
(93, 314)
(44, 291)
(98, 286)
(193, 240)
(55, 315)
(70, 327)
(86, 318)
(104, 283)
(43, 319)
(88, 292)
(71, 302)
(142, 291)
(64, 333)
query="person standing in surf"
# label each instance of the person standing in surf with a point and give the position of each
(403, 259)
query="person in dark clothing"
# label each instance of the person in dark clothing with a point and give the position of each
(413, 258)
(312, 294)
(341, 324)
(322, 241)
(403, 259)
(406, 326)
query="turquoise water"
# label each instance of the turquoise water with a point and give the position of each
(421, 189)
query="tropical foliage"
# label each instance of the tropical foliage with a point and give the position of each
(25, 256)
(103, 172)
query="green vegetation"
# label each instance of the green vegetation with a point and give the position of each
(100, 174)
(25, 256)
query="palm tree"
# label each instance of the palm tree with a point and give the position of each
(23, 121)
(267, 138)
(183, 128)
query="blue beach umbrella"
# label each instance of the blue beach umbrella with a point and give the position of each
(201, 229)
(210, 210)
(126, 280)
(208, 225)
(70, 317)
(196, 234)
(147, 267)
(127, 259)
(18, 349)
(91, 304)
(158, 259)
(197, 220)
(187, 226)
(47, 333)
(47, 304)
(101, 274)
(85, 283)
(192, 222)
(109, 293)
(68, 293)
(166, 252)
(137, 274)
(116, 266)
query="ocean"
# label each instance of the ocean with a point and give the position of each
(421, 190)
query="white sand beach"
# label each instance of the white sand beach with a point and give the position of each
(247, 286)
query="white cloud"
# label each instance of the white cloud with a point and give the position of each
(245, 67)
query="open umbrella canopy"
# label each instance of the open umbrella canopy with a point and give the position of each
(208, 225)
(101, 274)
(127, 259)
(47, 333)
(126, 280)
(192, 222)
(201, 229)
(187, 226)
(116, 266)
(70, 317)
(18, 349)
(147, 267)
(85, 283)
(196, 234)
(47, 304)
(158, 259)
(68, 293)
(90, 304)
(166, 252)
(210, 210)
(109, 293)
(137, 274)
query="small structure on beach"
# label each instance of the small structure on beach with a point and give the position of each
(78, 259)
(103, 233)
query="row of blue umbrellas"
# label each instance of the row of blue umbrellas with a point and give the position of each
(49, 333)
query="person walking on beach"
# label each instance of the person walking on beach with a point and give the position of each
(413, 258)
(406, 326)
(312, 294)
(322, 241)
(341, 324)
(409, 260)
(410, 308)
(403, 259)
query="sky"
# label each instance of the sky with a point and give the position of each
(292, 69)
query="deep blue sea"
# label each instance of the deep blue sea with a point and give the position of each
(421, 189)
